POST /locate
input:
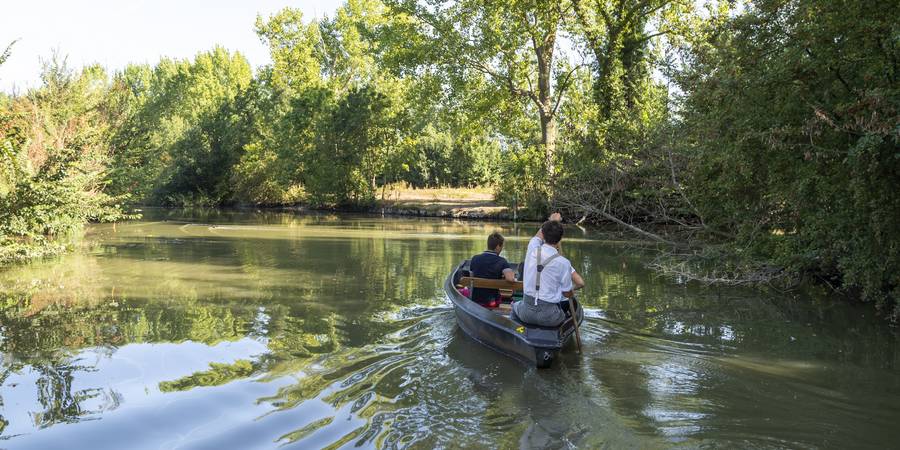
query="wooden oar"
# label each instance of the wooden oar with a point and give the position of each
(575, 320)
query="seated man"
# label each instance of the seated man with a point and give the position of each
(489, 264)
(546, 277)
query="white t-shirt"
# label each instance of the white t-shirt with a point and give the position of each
(556, 277)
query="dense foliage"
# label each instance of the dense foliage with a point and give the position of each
(769, 128)
(791, 126)
(52, 161)
(331, 120)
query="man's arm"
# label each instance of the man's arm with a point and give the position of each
(567, 283)
(509, 275)
(556, 217)
(577, 281)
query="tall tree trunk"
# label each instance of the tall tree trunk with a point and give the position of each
(607, 60)
(544, 54)
(548, 141)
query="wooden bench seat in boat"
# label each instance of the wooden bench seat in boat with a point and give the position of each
(506, 289)
(486, 283)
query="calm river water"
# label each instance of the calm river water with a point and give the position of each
(245, 330)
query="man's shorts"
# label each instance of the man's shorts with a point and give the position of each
(544, 314)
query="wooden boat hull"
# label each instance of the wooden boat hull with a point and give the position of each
(534, 345)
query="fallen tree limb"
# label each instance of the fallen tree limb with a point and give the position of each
(633, 228)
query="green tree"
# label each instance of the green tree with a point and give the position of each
(353, 143)
(514, 45)
(54, 142)
(184, 129)
(790, 122)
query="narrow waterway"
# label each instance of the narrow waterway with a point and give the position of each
(224, 329)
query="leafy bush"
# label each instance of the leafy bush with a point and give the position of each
(791, 128)
(52, 154)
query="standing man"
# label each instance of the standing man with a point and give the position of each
(547, 277)
(489, 264)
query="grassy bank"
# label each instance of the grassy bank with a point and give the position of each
(474, 203)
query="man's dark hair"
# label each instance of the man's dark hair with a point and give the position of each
(494, 240)
(553, 231)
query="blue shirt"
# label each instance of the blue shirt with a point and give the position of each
(487, 265)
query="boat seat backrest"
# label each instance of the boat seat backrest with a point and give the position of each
(487, 283)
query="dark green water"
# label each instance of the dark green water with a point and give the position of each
(263, 330)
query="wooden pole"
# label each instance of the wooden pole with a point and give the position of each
(575, 321)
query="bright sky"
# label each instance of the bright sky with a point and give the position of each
(114, 33)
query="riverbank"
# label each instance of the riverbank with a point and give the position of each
(468, 203)
(457, 203)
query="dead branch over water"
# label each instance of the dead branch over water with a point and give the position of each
(687, 249)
